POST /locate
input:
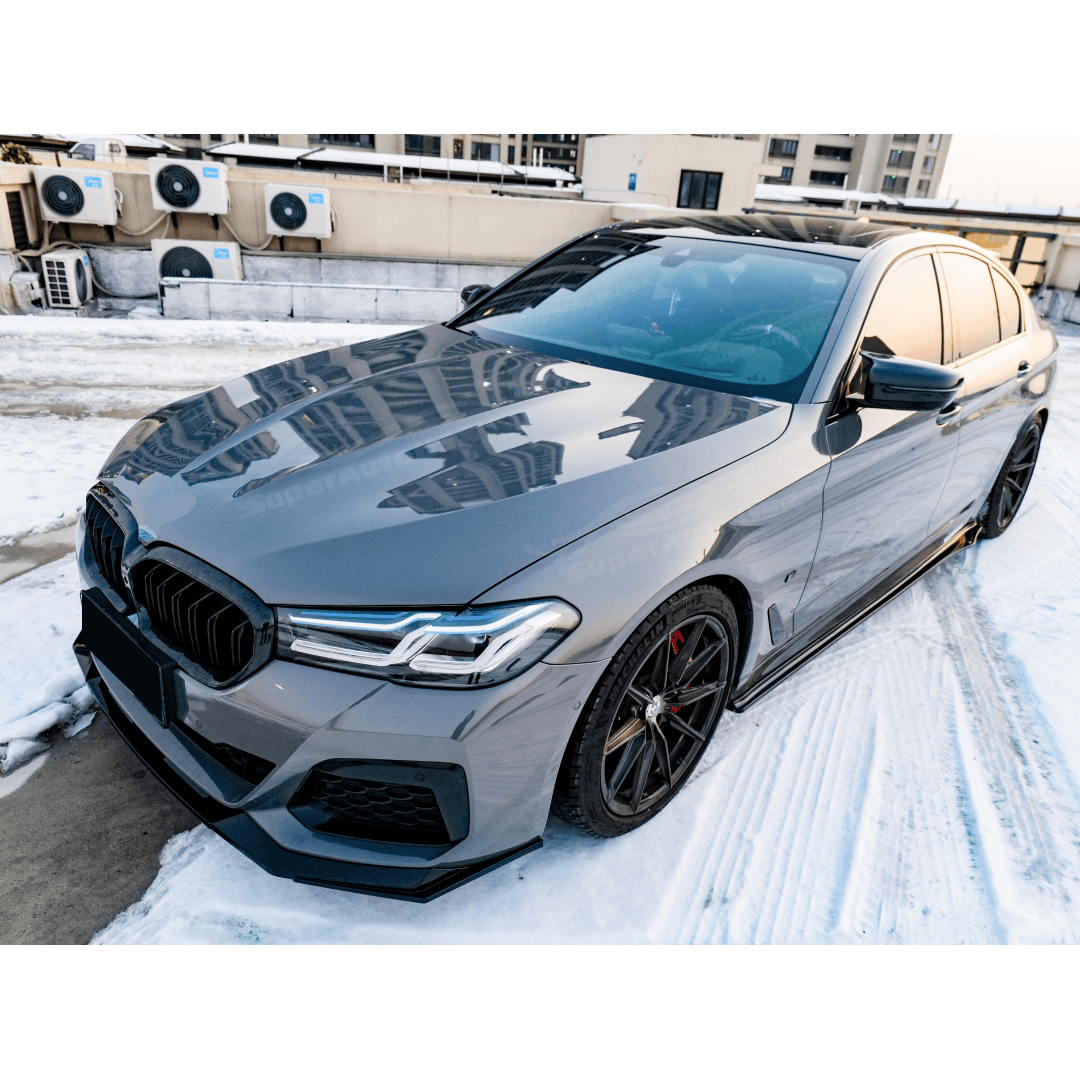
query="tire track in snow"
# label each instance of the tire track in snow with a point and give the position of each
(838, 808)
(1024, 798)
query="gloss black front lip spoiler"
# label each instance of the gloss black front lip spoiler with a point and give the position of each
(419, 884)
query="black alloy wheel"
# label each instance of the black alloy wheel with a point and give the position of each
(1012, 482)
(651, 716)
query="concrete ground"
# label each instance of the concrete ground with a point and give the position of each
(80, 840)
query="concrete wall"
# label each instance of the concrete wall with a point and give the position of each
(132, 273)
(204, 299)
(415, 221)
(658, 161)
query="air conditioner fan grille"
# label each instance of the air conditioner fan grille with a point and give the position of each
(178, 186)
(185, 262)
(288, 210)
(62, 195)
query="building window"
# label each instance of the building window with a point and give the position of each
(784, 178)
(832, 179)
(365, 142)
(485, 151)
(783, 147)
(699, 190)
(429, 145)
(264, 140)
(933, 142)
(197, 137)
(215, 138)
(906, 138)
(834, 153)
(904, 158)
(923, 188)
(509, 155)
(896, 185)
(459, 149)
(928, 164)
(193, 153)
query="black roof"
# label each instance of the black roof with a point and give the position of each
(795, 229)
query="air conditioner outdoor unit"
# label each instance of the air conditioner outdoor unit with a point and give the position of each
(293, 210)
(83, 195)
(197, 259)
(67, 278)
(192, 186)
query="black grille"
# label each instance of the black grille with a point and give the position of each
(194, 619)
(106, 542)
(370, 809)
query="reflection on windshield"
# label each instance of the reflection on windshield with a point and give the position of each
(745, 318)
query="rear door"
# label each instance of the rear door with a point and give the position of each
(992, 350)
(888, 467)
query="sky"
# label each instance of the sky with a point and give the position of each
(1019, 170)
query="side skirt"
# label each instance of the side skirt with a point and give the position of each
(854, 614)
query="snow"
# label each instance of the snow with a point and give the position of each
(917, 782)
(41, 685)
(81, 383)
(71, 389)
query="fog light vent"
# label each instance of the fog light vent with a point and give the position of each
(421, 803)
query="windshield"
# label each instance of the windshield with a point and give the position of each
(730, 316)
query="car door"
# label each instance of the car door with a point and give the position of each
(992, 351)
(888, 468)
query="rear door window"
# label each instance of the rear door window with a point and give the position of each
(973, 302)
(906, 318)
(1008, 306)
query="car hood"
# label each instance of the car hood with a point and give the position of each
(422, 468)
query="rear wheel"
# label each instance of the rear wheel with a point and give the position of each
(652, 715)
(1012, 482)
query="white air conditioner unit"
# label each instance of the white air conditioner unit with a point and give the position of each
(67, 278)
(197, 259)
(83, 195)
(194, 187)
(292, 210)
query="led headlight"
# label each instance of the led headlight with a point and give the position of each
(475, 647)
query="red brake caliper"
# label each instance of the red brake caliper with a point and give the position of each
(675, 650)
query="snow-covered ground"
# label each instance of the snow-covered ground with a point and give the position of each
(919, 781)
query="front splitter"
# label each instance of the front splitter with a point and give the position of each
(418, 884)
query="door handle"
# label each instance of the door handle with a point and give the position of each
(950, 412)
(1023, 369)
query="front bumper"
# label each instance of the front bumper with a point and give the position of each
(508, 739)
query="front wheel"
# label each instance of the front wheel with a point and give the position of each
(651, 716)
(1012, 482)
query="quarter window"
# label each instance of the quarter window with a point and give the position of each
(906, 320)
(699, 190)
(973, 303)
(1008, 306)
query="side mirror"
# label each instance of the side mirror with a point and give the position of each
(471, 293)
(891, 382)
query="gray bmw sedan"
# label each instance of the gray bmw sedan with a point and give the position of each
(374, 612)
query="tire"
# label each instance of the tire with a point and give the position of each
(631, 751)
(1012, 482)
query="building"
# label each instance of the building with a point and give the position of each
(686, 172)
(559, 151)
(898, 165)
